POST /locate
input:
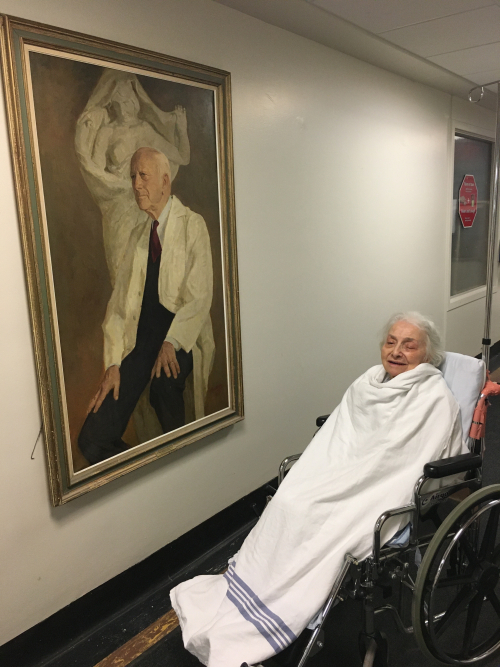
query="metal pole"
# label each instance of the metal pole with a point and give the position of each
(490, 267)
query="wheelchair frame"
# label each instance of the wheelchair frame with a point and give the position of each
(478, 571)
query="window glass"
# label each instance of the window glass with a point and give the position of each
(469, 245)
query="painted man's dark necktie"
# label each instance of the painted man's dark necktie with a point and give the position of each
(154, 242)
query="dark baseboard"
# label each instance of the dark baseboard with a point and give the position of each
(95, 625)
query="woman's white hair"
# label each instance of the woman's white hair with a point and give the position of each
(434, 344)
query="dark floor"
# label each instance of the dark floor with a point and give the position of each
(91, 651)
(342, 628)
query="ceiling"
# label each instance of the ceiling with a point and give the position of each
(462, 36)
(444, 43)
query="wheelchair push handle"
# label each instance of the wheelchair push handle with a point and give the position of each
(321, 420)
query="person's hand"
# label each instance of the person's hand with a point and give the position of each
(181, 117)
(110, 381)
(167, 360)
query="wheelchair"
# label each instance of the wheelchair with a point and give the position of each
(446, 558)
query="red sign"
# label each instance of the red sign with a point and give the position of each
(467, 201)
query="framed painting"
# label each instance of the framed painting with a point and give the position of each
(124, 177)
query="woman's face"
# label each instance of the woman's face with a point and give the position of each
(124, 103)
(403, 349)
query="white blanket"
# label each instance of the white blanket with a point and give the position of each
(364, 460)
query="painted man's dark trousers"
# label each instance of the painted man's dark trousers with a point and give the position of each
(101, 434)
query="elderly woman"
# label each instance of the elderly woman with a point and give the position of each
(365, 459)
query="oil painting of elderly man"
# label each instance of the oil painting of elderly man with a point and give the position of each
(157, 327)
(130, 177)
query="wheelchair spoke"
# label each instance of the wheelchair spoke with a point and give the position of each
(469, 551)
(471, 623)
(495, 602)
(455, 581)
(458, 605)
(490, 534)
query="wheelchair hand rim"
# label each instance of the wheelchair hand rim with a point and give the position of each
(425, 637)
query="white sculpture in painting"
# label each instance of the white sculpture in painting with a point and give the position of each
(118, 119)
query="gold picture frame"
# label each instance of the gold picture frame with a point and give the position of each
(78, 107)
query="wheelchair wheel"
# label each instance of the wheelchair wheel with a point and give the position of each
(456, 603)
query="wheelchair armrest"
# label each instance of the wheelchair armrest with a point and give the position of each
(321, 420)
(453, 465)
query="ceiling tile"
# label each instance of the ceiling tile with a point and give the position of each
(469, 61)
(452, 33)
(382, 15)
(485, 77)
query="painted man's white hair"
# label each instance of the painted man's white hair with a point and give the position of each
(161, 159)
(434, 344)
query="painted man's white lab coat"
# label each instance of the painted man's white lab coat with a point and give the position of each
(185, 287)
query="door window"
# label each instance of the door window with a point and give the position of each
(469, 245)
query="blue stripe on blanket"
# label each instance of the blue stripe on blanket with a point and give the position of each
(251, 607)
(251, 613)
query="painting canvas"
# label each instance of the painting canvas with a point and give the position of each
(125, 192)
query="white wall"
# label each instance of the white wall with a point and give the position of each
(341, 191)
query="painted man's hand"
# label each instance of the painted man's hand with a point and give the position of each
(167, 360)
(111, 381)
